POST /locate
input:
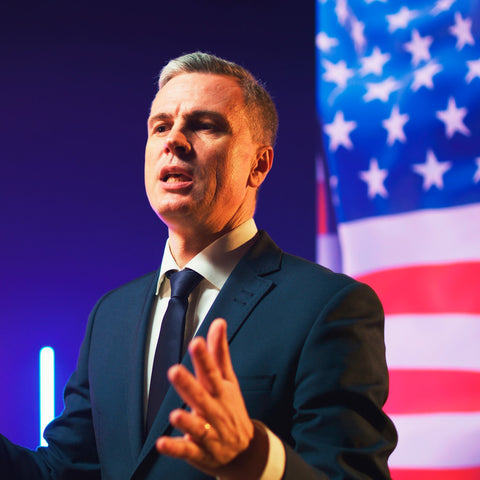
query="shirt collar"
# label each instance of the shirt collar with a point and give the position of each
(217, 261)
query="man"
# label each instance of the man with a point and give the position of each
(300, 350)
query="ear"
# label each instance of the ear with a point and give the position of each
(261, 167)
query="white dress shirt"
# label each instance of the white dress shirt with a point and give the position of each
(215, 263)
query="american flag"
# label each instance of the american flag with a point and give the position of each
(398, 97)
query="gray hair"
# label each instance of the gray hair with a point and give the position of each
(261, 111)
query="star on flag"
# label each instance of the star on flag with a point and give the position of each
(401, 19)
(374, 63)
(432, 171)
(473, 70)
(339, 132)
(442, 6)
(381, 90)
(476, 177)
(357, 29)
(453, 117)
(324, 42)
(341, 10)
(462, 30)
(423, 77)
(374, 178)
(337, 73)
(394, 126)
(419, 47)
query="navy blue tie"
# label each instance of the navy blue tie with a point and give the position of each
(170, 341)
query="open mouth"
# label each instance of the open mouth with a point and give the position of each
(175, 178)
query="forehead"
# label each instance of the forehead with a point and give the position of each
(198, 91)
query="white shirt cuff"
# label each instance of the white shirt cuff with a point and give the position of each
(276, 458)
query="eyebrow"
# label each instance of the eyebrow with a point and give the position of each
(158, 116)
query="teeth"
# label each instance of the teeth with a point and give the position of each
(176, 177)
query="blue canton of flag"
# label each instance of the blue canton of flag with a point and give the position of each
(399, 98)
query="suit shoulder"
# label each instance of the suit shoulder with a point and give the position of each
(311, 282)
(131, 291)
(295, 272)
(138, 283)
(298, 266)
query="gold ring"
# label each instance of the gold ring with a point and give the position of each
(206, 428)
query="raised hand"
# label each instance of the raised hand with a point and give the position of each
(219, 436)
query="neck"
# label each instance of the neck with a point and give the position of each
(186, 245)
(183, 248)
(188, 238)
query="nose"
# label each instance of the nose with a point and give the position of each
(177, 143)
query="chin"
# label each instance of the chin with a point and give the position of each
(172, 214)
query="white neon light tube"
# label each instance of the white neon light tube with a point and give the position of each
(47, 389)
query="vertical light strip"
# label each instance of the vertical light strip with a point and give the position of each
(47, 389)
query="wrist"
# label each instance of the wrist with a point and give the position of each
(252, 461)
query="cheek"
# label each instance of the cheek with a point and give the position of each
(236, 173)
(227, 170)
(149, 151)
(148, 174)
(224, 179)
(150, 182)
(150, 156)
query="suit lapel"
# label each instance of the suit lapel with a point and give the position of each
(136, 370)
(245, 287)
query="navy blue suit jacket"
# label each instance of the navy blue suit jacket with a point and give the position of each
(307, 347)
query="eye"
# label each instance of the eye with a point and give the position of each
(160, 128)
(207, 126)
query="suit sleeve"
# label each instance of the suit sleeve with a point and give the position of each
(341, 384)
(71, 453)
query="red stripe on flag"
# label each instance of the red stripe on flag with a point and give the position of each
(322, 213)
(436, 474)
(428, 289)
(428, 391)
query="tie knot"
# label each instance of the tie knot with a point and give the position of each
(183, 282)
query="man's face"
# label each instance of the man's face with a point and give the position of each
(200, 160)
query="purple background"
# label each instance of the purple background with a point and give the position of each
(76, 81)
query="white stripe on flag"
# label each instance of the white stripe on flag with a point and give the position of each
(328, 251)
(455, 346)
(437, 441)
(416, 238)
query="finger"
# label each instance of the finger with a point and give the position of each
(182, 448)
(206, 370)
(214, 340)
(196, 427)
(202, 404)
(191, 391)
(217, 345)
(179, 447)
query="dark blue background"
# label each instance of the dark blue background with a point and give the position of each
(76, 81)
